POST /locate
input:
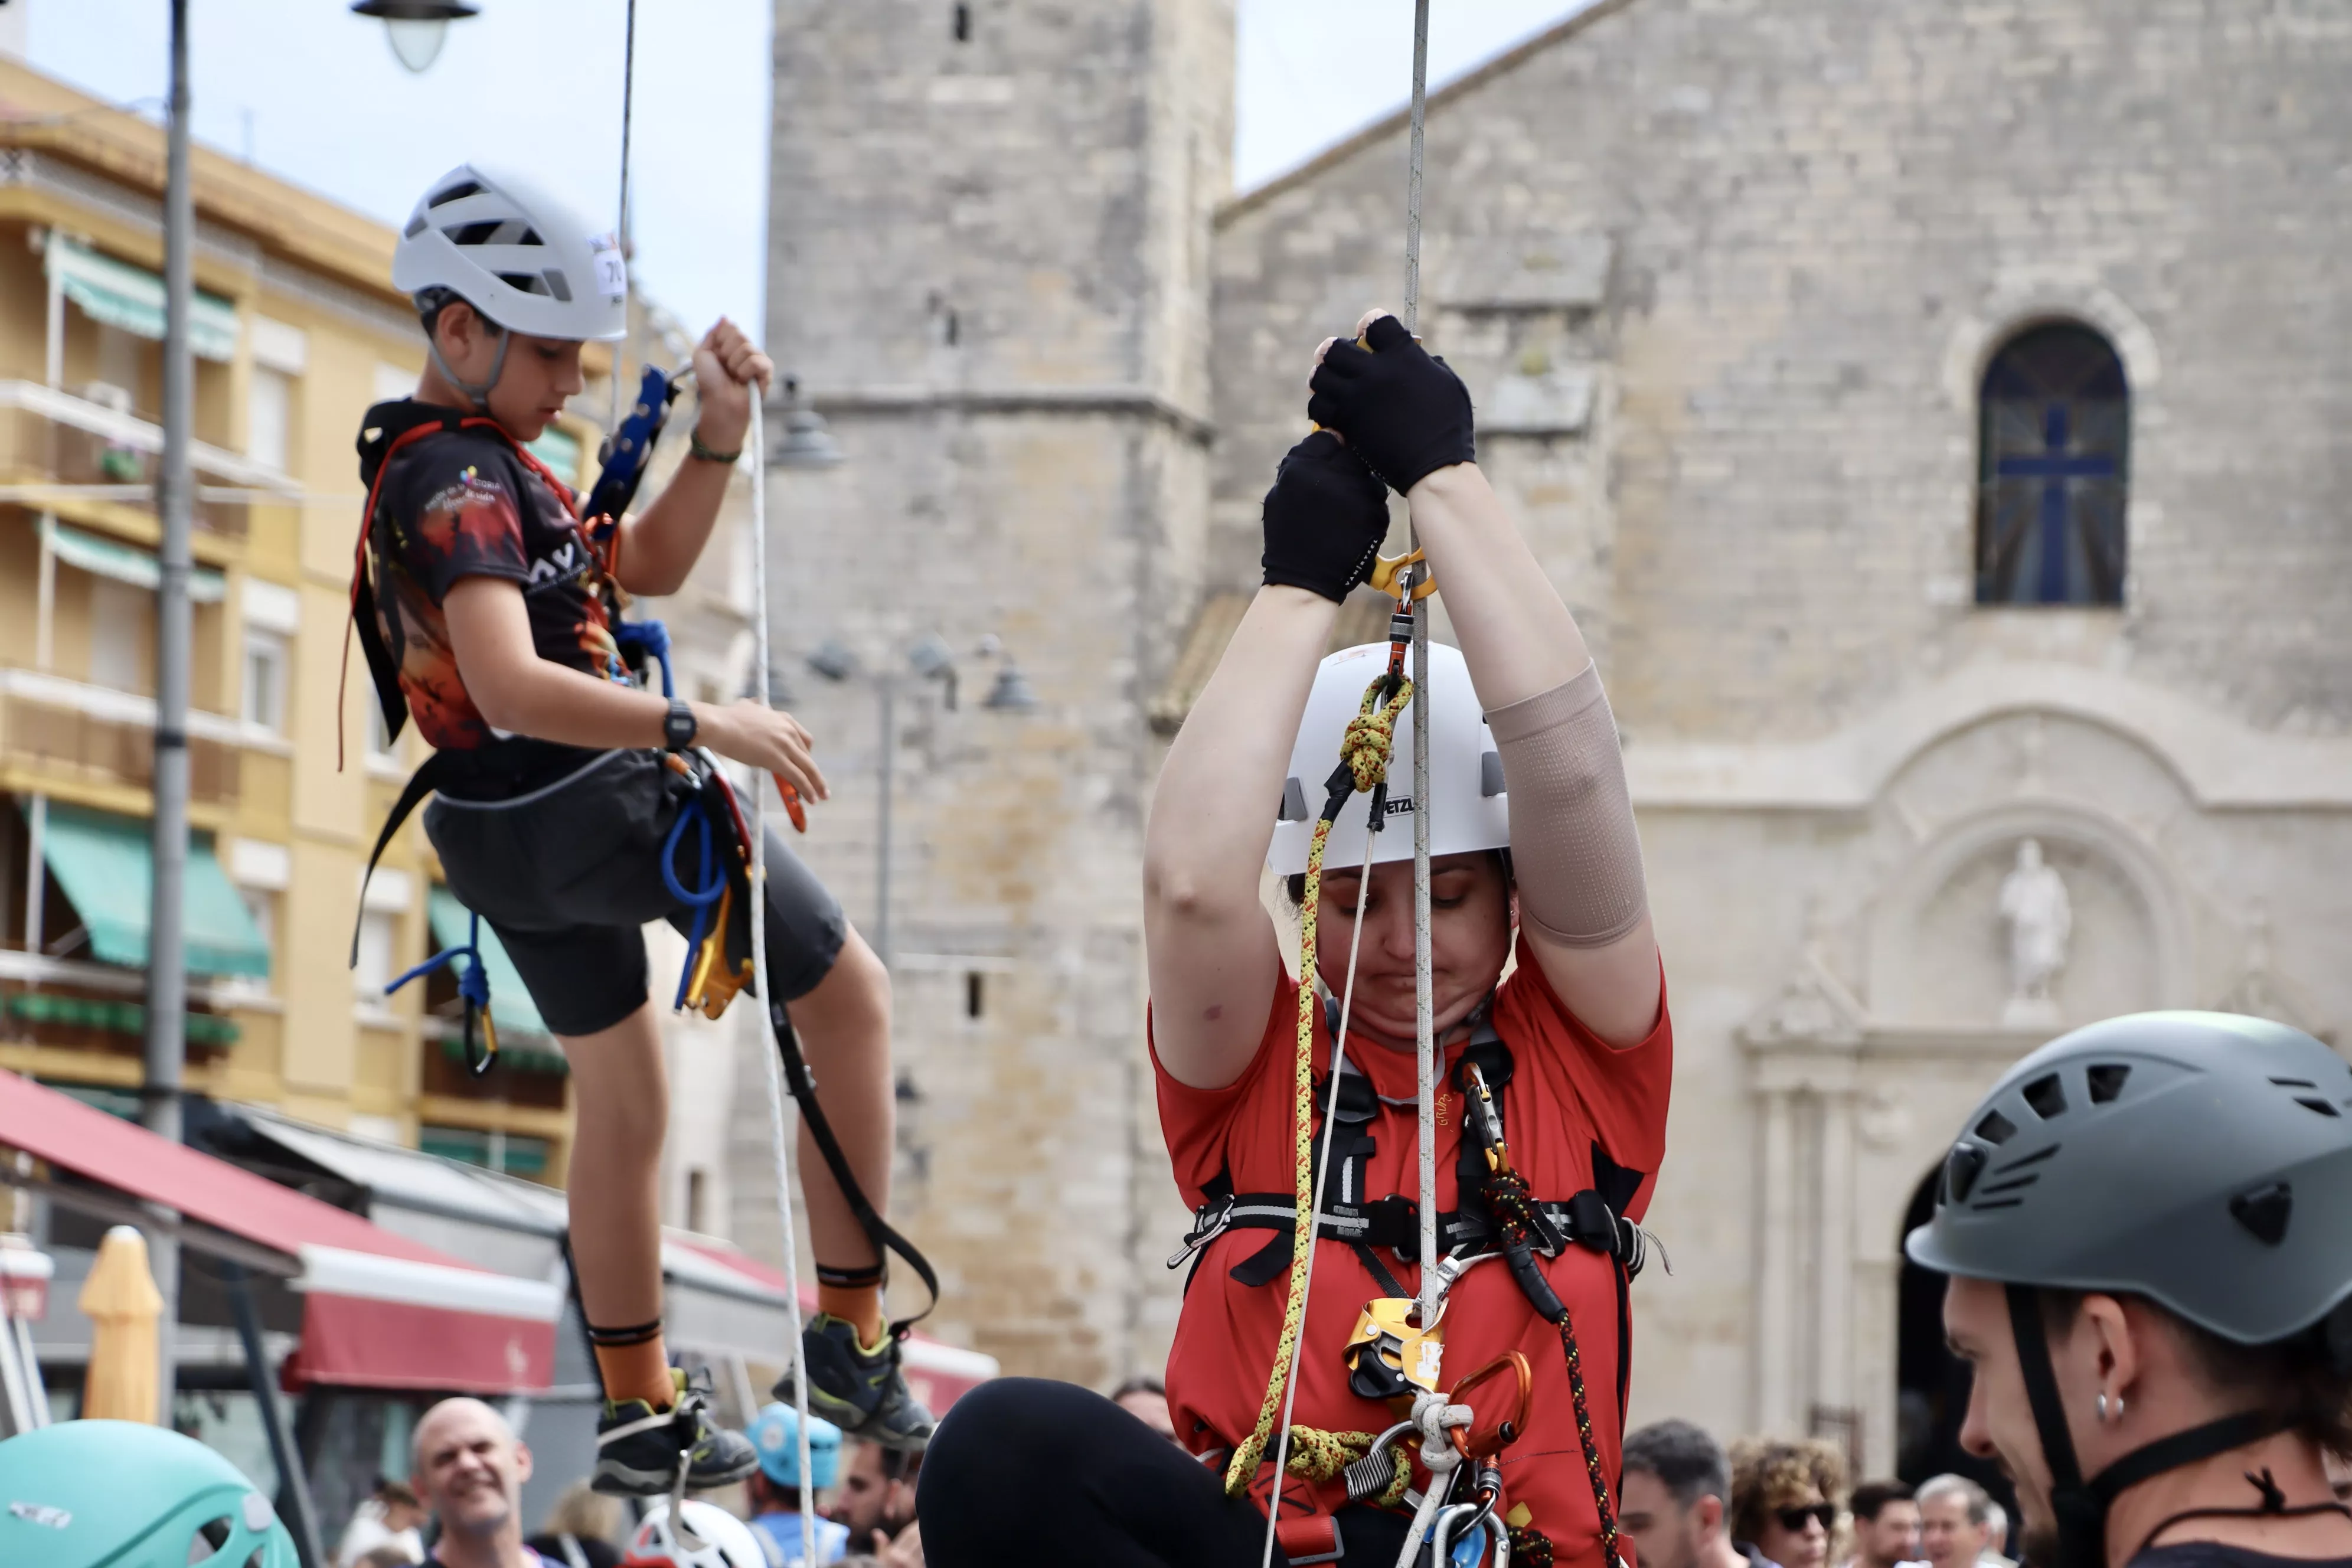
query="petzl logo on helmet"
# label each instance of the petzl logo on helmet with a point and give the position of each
(612, 270)
(41, 1513)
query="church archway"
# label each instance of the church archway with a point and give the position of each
(1931, 1382)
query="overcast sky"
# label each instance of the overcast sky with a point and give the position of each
(312, 93)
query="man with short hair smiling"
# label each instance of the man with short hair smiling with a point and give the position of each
(1672, 1498)
(1955, 1521)
(469, 1471)
(1886, 1525)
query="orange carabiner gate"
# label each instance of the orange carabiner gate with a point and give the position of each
(1468, 1441)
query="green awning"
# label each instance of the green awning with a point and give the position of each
(106, 865)
(511, 1005)
(560, 451)
(105, 557)
(131, 298)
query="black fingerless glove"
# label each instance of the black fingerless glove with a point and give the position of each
(1405, 413)
(1325, 519)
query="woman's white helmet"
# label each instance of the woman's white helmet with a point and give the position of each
(523, 259)
(701, 1535)
(1469, 809)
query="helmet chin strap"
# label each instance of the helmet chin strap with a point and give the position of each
(476, 392)
(2081, 1506)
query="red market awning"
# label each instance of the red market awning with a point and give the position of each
(937, 1373)
(379, 1310)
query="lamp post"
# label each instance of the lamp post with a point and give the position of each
(931, 660)
(167, 976)
(417, 28)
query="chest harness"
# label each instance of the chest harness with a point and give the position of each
(719, 962)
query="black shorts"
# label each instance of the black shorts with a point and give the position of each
(567, 871)
(1121, 1495)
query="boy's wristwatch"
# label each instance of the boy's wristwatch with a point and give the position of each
(678, 725)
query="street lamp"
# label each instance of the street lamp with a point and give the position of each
(417, 28)
(930, 659)
(807, 444)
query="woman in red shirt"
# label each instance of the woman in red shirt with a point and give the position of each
(1534, 856)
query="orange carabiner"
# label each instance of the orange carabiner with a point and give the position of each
(1472, 1445)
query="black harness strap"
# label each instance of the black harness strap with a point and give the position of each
(879, 1233)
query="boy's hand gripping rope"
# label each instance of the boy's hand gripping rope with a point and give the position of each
(1363, 766)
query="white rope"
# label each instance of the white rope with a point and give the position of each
(1424, 1023)
(1322, 1170)
(780, 1138)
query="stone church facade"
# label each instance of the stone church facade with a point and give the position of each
(1930, 414)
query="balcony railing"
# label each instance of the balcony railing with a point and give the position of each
(94, 734)
(57, 448)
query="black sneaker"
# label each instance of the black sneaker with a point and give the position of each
(639, 1448)
(860, 1391)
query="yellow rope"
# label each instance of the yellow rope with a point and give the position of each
(1365, 749)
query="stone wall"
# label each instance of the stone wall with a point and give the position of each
(989, 267)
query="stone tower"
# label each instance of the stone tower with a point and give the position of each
(988, 271)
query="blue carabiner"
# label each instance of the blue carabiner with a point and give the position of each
(473, 988)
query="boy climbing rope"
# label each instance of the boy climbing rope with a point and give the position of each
(574, 806)
(1550, 1114)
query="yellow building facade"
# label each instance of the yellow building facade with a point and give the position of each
(297, 331)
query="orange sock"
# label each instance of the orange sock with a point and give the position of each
(860, 1306)
(637, 1371)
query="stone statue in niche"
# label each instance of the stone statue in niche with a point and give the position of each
(2039, 917)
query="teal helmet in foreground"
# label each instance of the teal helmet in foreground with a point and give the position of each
(776, 1434)
(117, 1494)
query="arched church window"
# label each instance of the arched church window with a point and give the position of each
(2054, 470)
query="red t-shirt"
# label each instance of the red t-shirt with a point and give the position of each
(1568, 1093)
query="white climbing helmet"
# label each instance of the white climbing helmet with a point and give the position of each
(703, 1535)
(1465, 771)
(522, 258)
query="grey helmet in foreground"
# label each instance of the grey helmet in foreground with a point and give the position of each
(2203, 1161)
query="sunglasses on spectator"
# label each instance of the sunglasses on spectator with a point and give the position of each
(1792, 1520)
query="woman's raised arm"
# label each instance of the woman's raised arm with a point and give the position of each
(1582, 902)
(1208, 942)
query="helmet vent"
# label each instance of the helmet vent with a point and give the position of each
(2106, 1081)
(2311, 1101)
(1961, 1168)
(475, 233)
(2264, 1212)
(524, 282)
(1996, 1129)
(416, 226)
(457, 192)
(211, 1537)
(2014, 1184)
(2046, 1098)
(557, 285)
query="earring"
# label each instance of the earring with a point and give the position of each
(2111, 1411)
(2103, 1404)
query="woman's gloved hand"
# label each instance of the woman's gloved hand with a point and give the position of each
(1405, 413)
(1325, 519)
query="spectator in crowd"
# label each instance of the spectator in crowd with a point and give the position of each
(876, 1495)
(1955, 1521)
(1786, 1495)
(389, 1516)
(1996, 1548)
(469, 1471)
(579, 1531)
(1145, 1397)
(391, 1554)
(773, 1489)
(1886, 1525)
(1672, 1498)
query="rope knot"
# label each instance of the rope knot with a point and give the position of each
(1371, 736)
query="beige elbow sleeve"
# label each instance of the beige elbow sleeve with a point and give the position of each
(1573, 848)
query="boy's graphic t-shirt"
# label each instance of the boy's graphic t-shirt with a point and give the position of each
(461, 504)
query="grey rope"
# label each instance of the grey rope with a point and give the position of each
(780, 1138)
